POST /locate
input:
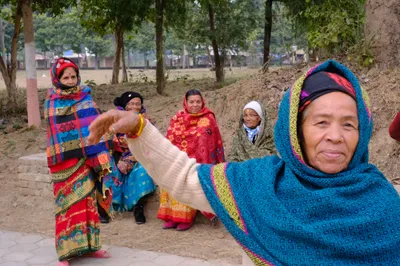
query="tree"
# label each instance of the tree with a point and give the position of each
(142, 39)
(117, 16)
(9, 72)
(166, 14)
(382, 31)
(331, 25)
(24, 9)
(218, 21)
(99, 46)
(267, 32)
(30, 65)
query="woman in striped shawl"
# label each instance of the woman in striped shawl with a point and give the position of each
(78, 170)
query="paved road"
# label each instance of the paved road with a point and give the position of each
(20, 249)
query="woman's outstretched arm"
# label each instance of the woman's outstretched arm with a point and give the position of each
(170, 168)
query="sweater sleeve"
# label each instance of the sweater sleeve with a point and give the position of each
(170, 167)
(394, 129)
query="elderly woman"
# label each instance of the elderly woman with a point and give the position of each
(320, 203)
(254, 138)
(132, 183)
(79, 170)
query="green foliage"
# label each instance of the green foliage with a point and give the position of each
(334, 25)
(195, 34)
(91, 83)
(104, 16)
(361, 52)
(8, 24)
(100, 46)
(284, 33)
(234, 22)
(142, 39)
(58, 34)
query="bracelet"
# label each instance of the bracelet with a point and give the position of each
(141, 125)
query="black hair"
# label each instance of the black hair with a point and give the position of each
(192, 92)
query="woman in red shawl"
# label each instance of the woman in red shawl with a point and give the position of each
(193, 130)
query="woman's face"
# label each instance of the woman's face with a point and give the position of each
(330, 132)
(250, 118)
(135, 104)
(194, 104)
(69, 77)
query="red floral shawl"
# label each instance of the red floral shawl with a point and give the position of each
(197, 135)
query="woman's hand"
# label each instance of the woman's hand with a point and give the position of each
(113, 121)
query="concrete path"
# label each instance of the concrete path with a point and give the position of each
(20, 249)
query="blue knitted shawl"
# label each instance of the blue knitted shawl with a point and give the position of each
(283, 212)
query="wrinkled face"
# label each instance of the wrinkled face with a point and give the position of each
(69, 77)
(250, 118)
(134, 105)
(194, 104)
(330, 132)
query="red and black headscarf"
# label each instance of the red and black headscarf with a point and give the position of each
(322, 83)
(58, 67)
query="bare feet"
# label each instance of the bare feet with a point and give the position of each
(63, 263)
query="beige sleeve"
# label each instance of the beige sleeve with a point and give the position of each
(170, 167)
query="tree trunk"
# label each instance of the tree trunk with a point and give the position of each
(184, 57)
(209, 56)
(381, 31)
(129, 59)
(10, 72)
(219, 69)
(160, 6)
(124, 72)
(267, 33)
(2, 47)
(30, 63)
(119, 35)
(96, 61)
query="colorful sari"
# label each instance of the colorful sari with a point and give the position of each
(79, 171)
(197, 135)
(129, 188)
(78, 202)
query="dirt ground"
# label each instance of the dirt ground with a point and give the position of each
(30, 214)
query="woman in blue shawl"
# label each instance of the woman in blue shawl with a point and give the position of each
(132, 184)
(319, 203)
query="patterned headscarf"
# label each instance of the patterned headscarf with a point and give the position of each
(322, 83)
(284, 212)
(58, 66)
